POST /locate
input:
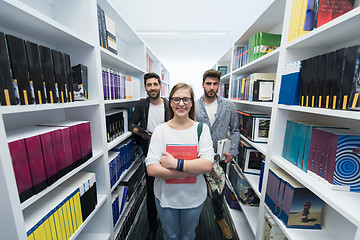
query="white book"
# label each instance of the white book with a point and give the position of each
(223, 146)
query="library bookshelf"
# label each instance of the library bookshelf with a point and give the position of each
(341, 209)
(71, 27)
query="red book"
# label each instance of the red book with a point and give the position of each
(59, 152)
(21, 168)
(331, 9)
(85, 140)
(182, 151)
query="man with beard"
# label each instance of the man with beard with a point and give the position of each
(220, 115)
(148, 113)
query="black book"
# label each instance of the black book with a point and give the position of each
(19, 67)
(33, 58)
(330, 66)
(321, 81)
(354, 102)
(313, 81)
(303, 73)
(336, 79)
(59, 74)
(9, 94)
(348, 76)
(69, 79)
(48, 74)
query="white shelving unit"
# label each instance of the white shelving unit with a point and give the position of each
(341, 211)
(70, 27)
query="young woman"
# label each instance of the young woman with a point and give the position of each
(179, 204)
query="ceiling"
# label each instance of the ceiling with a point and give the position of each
(205, 30)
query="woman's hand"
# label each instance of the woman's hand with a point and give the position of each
(168, 161)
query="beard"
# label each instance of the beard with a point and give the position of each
(154, 96)
(210, 96)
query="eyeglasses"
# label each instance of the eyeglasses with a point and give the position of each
(176, 100)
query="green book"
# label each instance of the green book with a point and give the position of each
(267, 42)
(252, 47)
(223, 70)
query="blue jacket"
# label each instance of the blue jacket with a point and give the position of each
(226, 120)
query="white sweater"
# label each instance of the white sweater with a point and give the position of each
(180, 196)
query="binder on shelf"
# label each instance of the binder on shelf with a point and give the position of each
(69, 88)
(354, 103)
(21, 168)
(19, 67)
(59, 74)
(33, 59)
(9, 94)
(48, 74)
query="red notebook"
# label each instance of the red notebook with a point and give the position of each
(182, 151)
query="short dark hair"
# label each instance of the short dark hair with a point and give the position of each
(212, 73)
(151, 75)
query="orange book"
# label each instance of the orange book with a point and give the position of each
(182, 151)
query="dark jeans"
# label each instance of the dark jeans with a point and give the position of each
(150, 201)
(218, 202)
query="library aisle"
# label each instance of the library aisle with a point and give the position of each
(207, 229)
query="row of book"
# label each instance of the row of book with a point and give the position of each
(272, 231)
(63, 210)
(120, 159)
(115, 123)
(294, 204)
(329, 80)
(326, 151)
(107, 31)
(150, 63)
(117, 85)
(253, 87)
(35, 74)
(262, 43)
(128, 218)
(43, 154)
(254, 125)
(307, 15)
(224, 90)
(240, 56)
(121, 196)
(241, 187)
(249, 159)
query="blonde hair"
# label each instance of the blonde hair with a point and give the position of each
(174, 90)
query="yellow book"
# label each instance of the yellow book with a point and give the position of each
(59, 227)
(47, 229)
(52, 226)
(73, 215)
(65, 221)
(297, 18)
(302, 18)
(77, 204)
(39, 232)
(31, 237)
(292, 21)
(69, 219)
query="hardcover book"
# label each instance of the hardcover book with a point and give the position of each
(80, 82)
(68, 78)
(9, 94)
(48, 74)
(33, 59)
(182, 151)
(59, 73)
(19, 67)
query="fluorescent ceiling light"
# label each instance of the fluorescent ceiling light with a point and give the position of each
(157, 33)
(180, 32)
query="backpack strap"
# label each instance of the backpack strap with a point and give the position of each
(199, 129)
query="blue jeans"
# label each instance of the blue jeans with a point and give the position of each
(179, 224)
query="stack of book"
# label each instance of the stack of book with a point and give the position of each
(33, 74)
(120, 159)
(107, 31)
(43, 154)
(242, 188)
(254, 126)
(241, 56)
(262, 43)
(61, 212)
(294, 204)
(307, 15)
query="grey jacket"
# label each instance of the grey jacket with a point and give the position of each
(226, 120)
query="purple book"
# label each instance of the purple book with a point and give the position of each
(308, 25)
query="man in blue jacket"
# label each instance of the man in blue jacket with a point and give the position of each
(220, 115)
(148, 113)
